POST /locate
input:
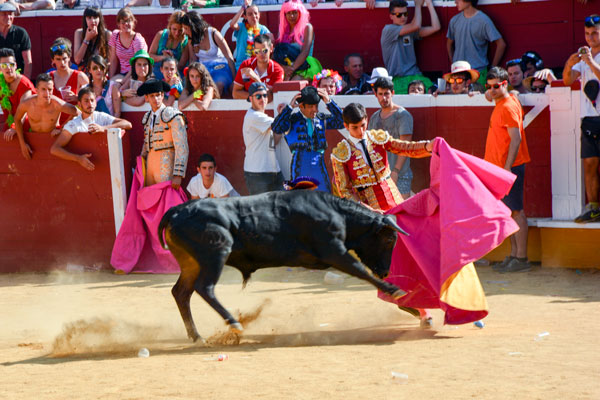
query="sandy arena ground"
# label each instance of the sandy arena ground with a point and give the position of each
(77, 336)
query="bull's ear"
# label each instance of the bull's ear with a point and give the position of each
(390, 221)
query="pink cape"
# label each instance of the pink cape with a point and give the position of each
(459, 219)
(132, 251)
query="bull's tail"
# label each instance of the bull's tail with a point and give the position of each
(164, 222)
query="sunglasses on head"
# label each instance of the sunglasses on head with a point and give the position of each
(261, 51)
(58, 47)
(511, 63)
(495, 85)
(402, 14)
(260, 96)
(457, 80)
(592, 21)
(7, 65)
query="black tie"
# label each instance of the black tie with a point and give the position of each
(364, 146)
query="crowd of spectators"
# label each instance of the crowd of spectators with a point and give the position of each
(198, 65)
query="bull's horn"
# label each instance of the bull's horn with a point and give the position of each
(390, 220)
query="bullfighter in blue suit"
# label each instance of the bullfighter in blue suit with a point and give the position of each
(305, 133)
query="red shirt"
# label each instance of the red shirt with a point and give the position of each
(72, 81)
(23, 86)
(273, 75)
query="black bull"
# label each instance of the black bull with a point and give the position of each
(296, 228)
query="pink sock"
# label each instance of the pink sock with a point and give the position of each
(424, 313)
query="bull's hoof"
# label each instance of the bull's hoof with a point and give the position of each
(398, 294)
(236, 327)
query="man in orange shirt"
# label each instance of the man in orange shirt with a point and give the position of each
(506, 147)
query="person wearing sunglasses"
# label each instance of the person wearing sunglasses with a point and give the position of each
(246, 32)
(259, 68)
(585, 66)
(261, 168)
(506, 147)
(460, 77)
(535, 85)
(398, 43)
(468, 37)
(304, 133)
(15, 38)
(19, 87)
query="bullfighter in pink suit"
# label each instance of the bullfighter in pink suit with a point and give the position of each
(156, 187)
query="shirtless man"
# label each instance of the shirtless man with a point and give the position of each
(89, 121)
(43, 110)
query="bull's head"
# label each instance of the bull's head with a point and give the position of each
(375, 249)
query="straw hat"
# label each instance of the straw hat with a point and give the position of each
(462, 66)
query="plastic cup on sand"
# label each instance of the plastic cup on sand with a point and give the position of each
(399, 377)
(64, 91)
(144, 353)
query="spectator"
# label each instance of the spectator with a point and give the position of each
(171, 77)
(460, 77)
(209, 183)
(416, 87)
(515, 71)
(124, 3)
(161, 166)
(585, 65)
(141, 71)
(171, 42)
(15, 38)
(469, 33)
(296, 39)
(71, 4)
(108, 98)
(355, 79)
(210, 49)
(87, 41)
(305, 133)
(14, 88)
(260, 68)
(398, 43)
(43, 110)
(377, 73)
(32, 5)
(532, 62)
(124, 43)
(246, 33)
(329, 80)
(261, 169)
(535, 85)
(90, 121)
(398, 122)
(506, 147)
(67, 81)
(199, 88)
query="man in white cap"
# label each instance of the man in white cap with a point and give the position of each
(398, 42)
(460, 77)
(15, 38)
(261, 169)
